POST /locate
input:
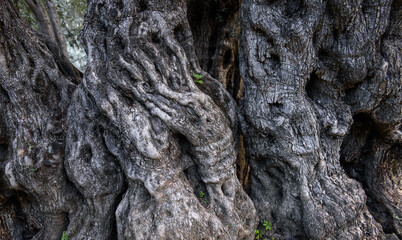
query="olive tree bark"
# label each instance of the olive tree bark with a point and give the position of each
(136, 151)
(322, 92)
(171, 139)
(35, 90)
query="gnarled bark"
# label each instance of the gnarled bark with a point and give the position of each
(139, 150)
(309, 67)
(35, 97)
(171, 139)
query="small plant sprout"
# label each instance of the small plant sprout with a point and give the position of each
(267, 225)
(31, 169)
(258, 234)
(197, 78)
(202, 194)
(64, 236)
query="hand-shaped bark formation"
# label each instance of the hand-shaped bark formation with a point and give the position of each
(172, 140)
(35, 87)
(309, 67)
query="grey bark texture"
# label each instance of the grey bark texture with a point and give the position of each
(136, 149)
(142, 141)
(323, 91)
(171, 139)
(35, 92)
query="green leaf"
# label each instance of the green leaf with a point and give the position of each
(258, 234)
(267, 225)
(64, 236)
(197, 76)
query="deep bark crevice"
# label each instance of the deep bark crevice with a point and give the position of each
(17, 220)
(357, 146)
(215, 26)
(373, 161)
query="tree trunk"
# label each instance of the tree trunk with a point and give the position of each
(35, 92)
(314, 73)
(143, 141)
(48, 22)
(55, 23)
(141, 149)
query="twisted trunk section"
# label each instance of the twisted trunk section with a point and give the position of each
(308, 68)
(170, 138)
(34, 100)
(140, 150)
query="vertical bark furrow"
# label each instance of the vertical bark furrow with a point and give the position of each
(215, 26)
(93, 169)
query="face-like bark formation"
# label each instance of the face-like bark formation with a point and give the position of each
(173, 141)
(308, 67)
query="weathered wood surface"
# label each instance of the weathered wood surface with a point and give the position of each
(136, 149)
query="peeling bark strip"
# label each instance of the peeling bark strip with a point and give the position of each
(308, 68)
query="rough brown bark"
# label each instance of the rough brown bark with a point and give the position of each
(309, 67)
